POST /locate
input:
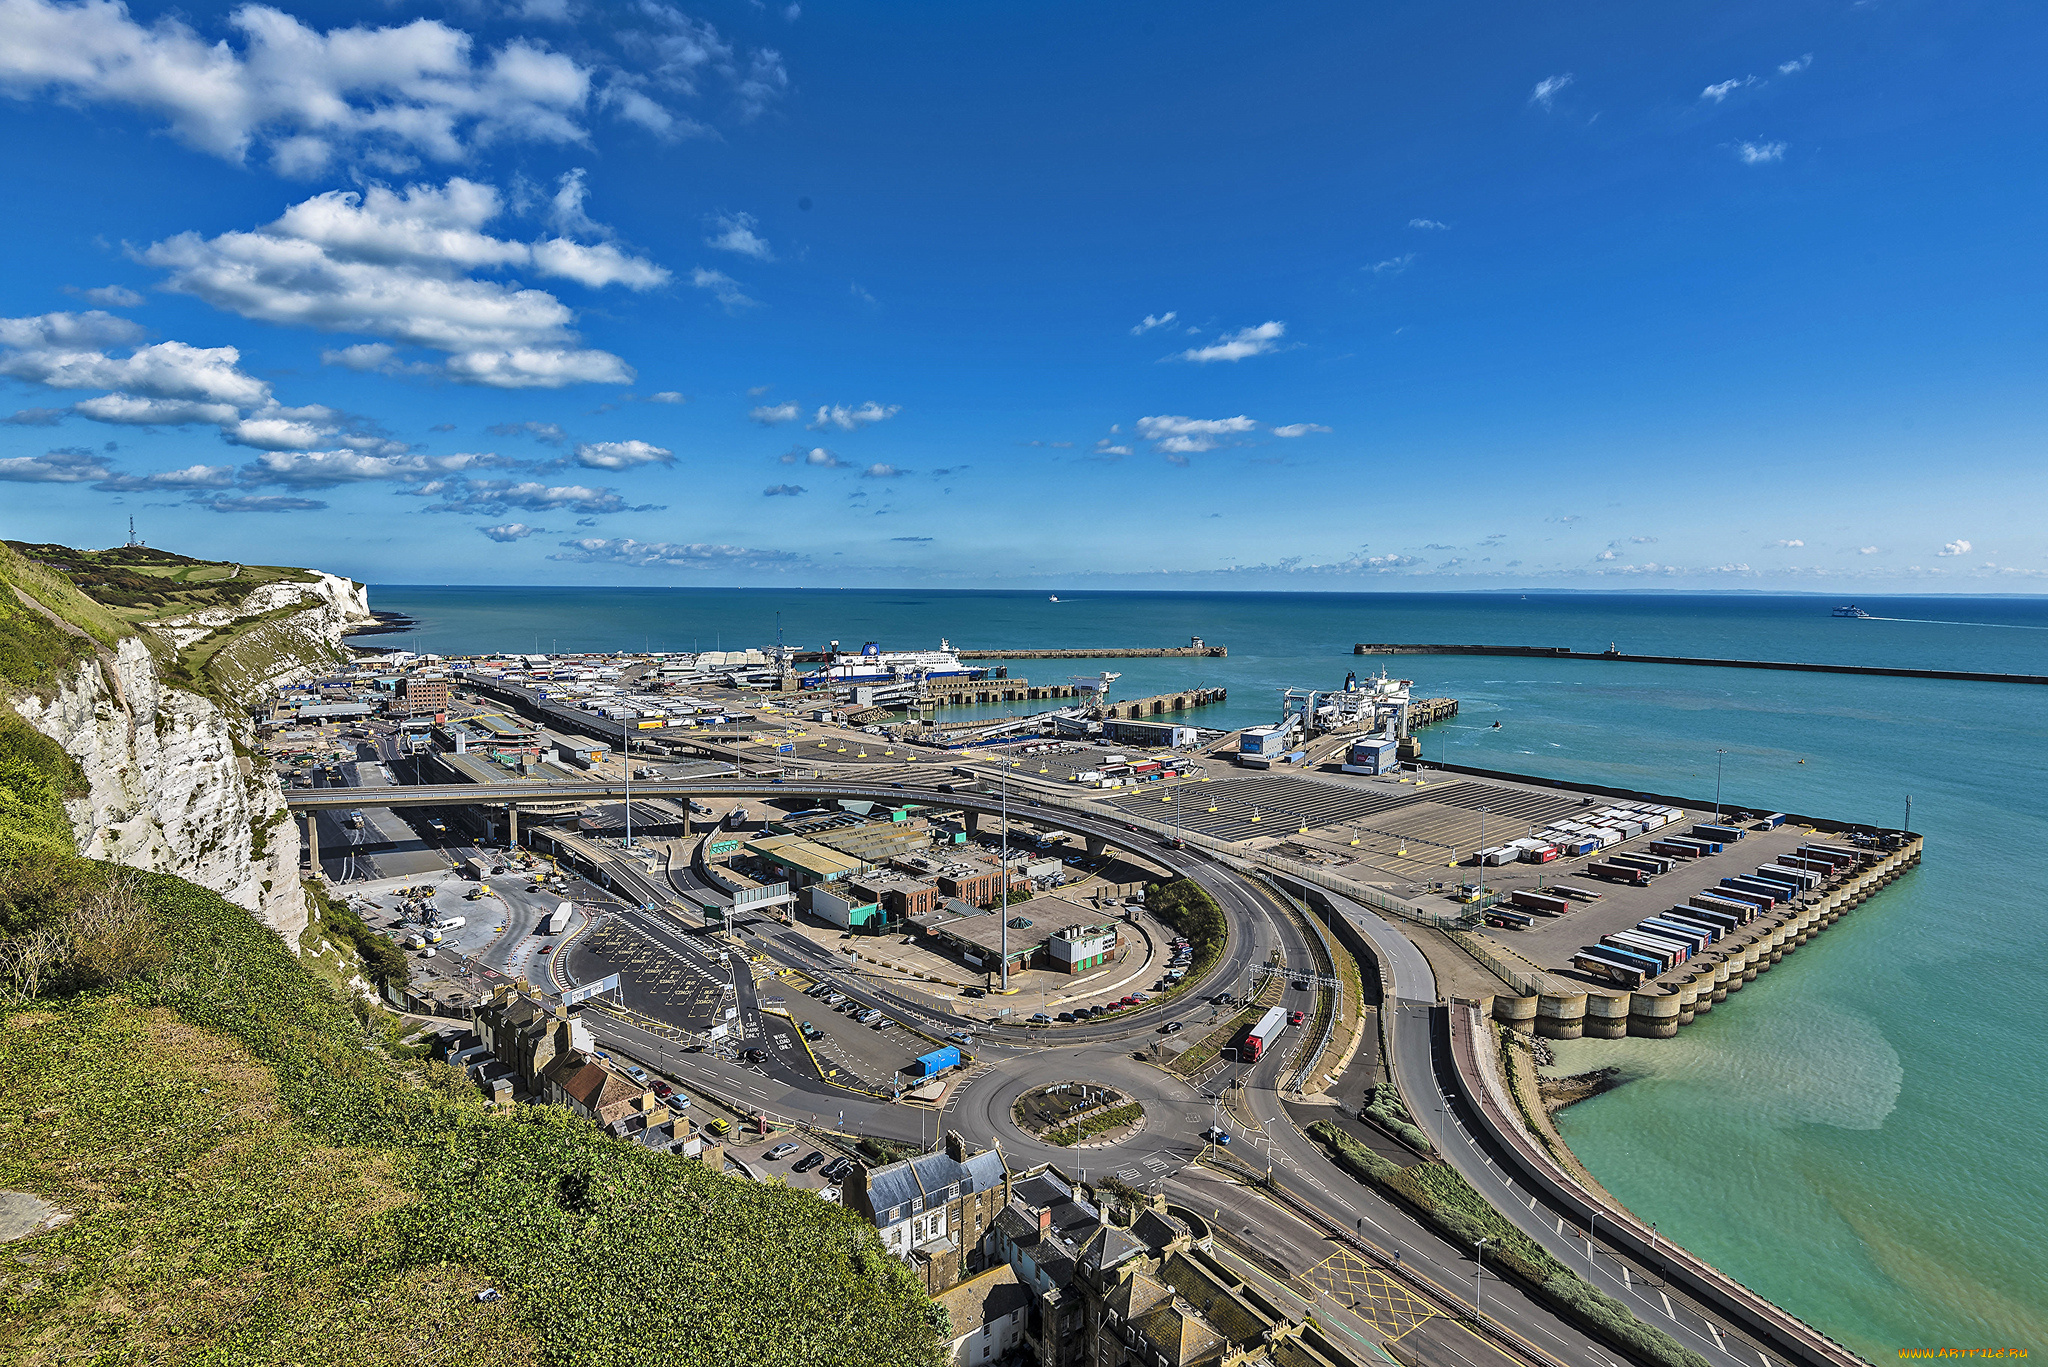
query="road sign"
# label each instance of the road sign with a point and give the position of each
(589, 990)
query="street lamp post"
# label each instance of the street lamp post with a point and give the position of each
(1719, 756)
(626, 758)
(1478, 1276)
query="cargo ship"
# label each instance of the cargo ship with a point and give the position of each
(1852, 611)
(873, 665)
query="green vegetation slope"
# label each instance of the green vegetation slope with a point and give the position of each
(257, 1174)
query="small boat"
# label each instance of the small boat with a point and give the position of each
(1852, 611)
(1054, 598)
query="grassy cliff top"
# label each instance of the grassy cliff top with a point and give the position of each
(140, 583)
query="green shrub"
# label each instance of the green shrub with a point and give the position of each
(1608, 1317)
(1068, 1135)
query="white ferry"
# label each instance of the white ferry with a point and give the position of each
(873, 665)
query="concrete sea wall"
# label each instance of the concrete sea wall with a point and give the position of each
(1662, 1012)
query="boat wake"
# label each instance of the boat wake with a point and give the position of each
(1937, 622)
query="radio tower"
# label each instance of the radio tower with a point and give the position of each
(133, 540)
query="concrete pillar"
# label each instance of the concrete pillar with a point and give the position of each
(1703, 981)
(313, 840)
(512, 826)
(1607, 1014)
(1688, 996)
(1516, 1013)
(1653, 1017)
(1561, 1015)
(974, 823)
(1721, 981)
(1096, 846)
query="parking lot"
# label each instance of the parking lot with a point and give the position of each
(874, 1056)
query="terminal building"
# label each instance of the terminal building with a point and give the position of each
(1045, 932)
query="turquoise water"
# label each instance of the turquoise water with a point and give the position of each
(1860, 1134)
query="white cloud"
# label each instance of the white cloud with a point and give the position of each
(667, 396)
(256, 503)
(1757, 153)
(1866, 550)
(548, 433)
(622, 455)
(190, 478)
(1546, 89)
(1796, 65)
(65, 351)
(1609, 554)
(851, 419)
(386, 94)
(1787, 545)
(1954, 548)
(817, 455)
(510, 531)
(782, 491)
(1393, 265)
(70, 465)
(735, 233)
(326, 469)
(59, 330)
(1644, 540)
(397, 265)
(1429, 223)
(362, 356)
(723, 288)
(1721, 90)
(1151, 322)
(1173, 435)
(109, 296)
(497, 496)
(1299, 429)
(127, 410)
(1251, 341)
(627, 551)
(770, 414)
(880, 471)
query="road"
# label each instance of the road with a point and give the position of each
(1012, 1059)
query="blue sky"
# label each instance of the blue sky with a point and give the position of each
(1330, 296)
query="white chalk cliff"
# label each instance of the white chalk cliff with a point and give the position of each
(175, 784)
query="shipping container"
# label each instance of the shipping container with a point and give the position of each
(1260, 1037)
(1680, 950)
(1538, 854)
(1760, 901)
(1762, 887)
(1804, 878)
(1692, 937)
(938, 1061)
(1582, 894)
(1674, 849)
(1834, 854)
(1721, 919)
(1609, 965)
(1725, 834)
(1508, 920)
(1773, 821)
(1666, 954)
(1619, 873)
(1695, 920)
(1742, 911)
(1539, 901)
(1648, 863)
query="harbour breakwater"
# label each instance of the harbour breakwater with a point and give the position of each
(1659, 1014)
(1567, 653)
(1196, 647)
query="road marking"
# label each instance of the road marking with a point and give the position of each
(1667, 1305)
(1128, 1173)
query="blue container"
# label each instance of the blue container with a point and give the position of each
(939, 1060)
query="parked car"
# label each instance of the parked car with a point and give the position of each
(719, 1127)
(809, 1031)
(837, 1169)
(779, 1152)
(972, 992)
(1041, 1019)
(826, 1193)
(807, 1162)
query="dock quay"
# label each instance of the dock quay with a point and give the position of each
(962, 693)
(1567, 653)
(1195, 648)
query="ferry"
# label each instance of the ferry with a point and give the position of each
(1853, 611)
(873, 665)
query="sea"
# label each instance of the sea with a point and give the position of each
(1862, 1134)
